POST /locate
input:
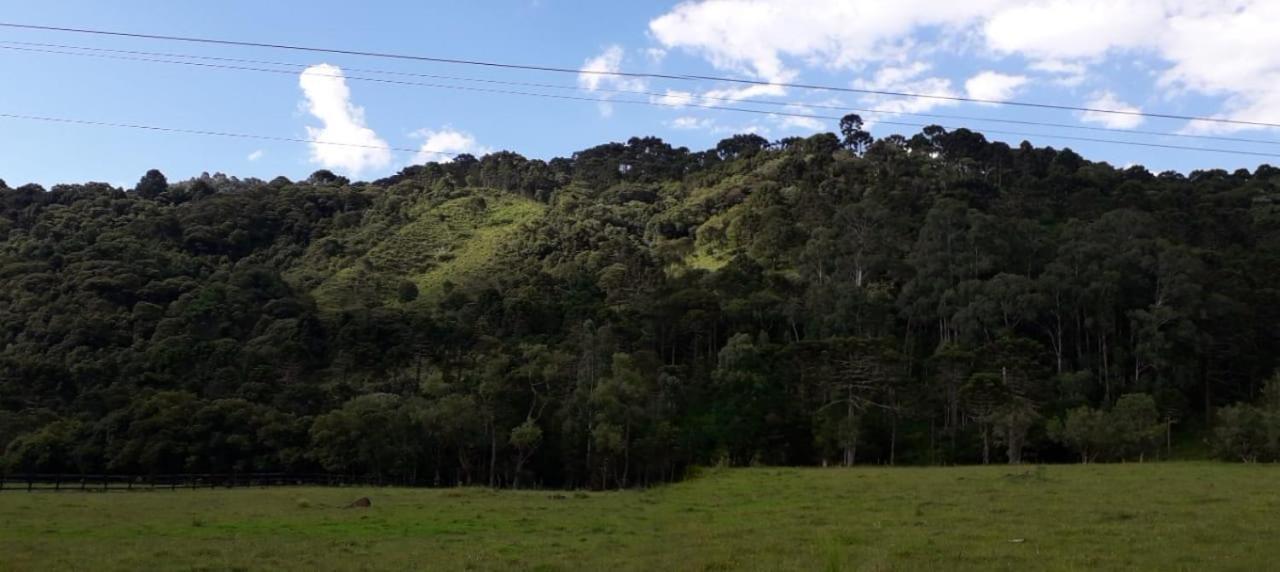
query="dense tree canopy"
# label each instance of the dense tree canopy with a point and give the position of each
(612, 318)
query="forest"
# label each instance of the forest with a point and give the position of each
(628, 314)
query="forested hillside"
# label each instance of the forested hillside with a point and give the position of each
(613, 318)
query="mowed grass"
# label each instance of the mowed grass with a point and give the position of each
(1171, 516)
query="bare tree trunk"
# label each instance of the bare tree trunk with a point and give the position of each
(850, 441)
(626, 453)
(986, 444)
(493, 455)
(893, 438)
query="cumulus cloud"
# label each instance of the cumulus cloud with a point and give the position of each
(1219, 48)
(691, 123)
(798, 122)
(1073, 29)
(1109, 101)
(329, 99)
(599, 74)
(254, 156)
(993, 86)
(441, 145)
(1066, 74)
(673, 98)
(911, 78)
(732, 94)
(758, 36)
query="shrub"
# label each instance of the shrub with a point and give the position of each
(1241, 433)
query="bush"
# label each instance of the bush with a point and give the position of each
(1083, 430)
(1129, 429)
(1250, 433)
(1241, 433)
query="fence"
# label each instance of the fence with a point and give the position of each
(77, 482)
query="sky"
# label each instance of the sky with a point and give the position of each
(1209, 58)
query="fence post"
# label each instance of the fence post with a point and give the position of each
(57, 482)
(104, 483)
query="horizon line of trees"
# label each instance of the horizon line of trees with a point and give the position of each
(830, 300)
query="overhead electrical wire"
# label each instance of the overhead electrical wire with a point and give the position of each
(95, 51)
(211, 133)
(679, 77)
(661, 104)
(204, 132)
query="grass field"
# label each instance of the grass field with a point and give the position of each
(1174, 516)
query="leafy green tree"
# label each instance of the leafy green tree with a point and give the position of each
(371, 434)
(1084, 429)
(854, 138)
(151, 185)
(579, 320)
(54, 448)
(1135, 424)
(985, 398)
(525, 439)
(1241, 433)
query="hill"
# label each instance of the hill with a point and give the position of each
(615, 317)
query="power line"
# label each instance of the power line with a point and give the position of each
(668, 96)
(684, 77)
(411, 150)
(714, 107)
(448, 86)
(661, 104)
(334, 51)
(217, 133)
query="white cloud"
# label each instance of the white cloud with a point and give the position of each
(798, 122)
(1109, 101)
(1222, 48)
(592, 74)
(909, 78)
(756, 36)
(993, 86)
(1066, 74)
(674, 98)
(439, 145)
(731, 94)
(1073, 29)
(1232, 53)
(329, 100)
(690, 123)
(600, 73)
(1219, 48)
(254, 156)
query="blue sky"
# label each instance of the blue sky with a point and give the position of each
(1206, 58)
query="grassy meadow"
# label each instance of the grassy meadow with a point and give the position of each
(1167, 516)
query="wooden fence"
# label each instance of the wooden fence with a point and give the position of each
(103, 483)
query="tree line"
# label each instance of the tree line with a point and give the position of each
(829, 300)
